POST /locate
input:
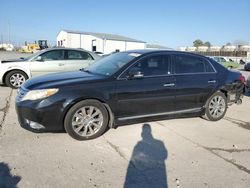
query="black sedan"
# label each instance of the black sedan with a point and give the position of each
(127, 87)
(247, 67)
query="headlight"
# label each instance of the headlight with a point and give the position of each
(39, 94)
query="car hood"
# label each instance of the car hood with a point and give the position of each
(60, 80)
(13, 60)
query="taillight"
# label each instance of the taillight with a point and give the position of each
(242, 79)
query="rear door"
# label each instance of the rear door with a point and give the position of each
(48, 62)
(76, 59)
(153, 93)
(196, 79)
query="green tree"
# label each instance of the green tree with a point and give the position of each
(208, 44)
(197, 43)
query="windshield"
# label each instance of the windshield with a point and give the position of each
(34, 55)
(111, 64)
(30, 57)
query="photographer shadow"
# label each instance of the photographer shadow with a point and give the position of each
(6, 179)
(147, 164)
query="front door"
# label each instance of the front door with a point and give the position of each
(149, 94)
(48, 62)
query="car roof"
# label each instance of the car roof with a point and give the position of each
(149, 51)
(62, 48)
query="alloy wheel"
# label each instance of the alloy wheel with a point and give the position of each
(87, 121)
(17, 80)
(217, 106)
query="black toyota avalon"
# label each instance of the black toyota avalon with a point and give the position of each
(127, 87)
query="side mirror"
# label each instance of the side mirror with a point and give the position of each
(39, 58)
(135, 73)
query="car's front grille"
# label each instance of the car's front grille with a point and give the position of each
(21, 92)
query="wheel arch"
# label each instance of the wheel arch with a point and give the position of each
(16, 69)
(219, 89)
(106, 105)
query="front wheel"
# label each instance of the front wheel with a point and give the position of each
(86, 120)
(15, 79)
(216, 107)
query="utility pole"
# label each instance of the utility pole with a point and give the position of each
(9, 30)
(1, 38)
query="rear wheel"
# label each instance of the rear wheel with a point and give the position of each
(216, 107)
(15, 79)
(86, 120)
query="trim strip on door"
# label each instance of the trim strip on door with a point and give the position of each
(163, 113)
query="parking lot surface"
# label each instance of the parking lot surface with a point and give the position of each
(187, 152)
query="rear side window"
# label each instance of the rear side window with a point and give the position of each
(191, 64)
(154, 66)
(78, 55)
(208, 67)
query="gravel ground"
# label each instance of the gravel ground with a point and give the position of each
(12, 55)
(187, 152)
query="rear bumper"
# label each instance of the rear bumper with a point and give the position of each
(236, 95)
(248, 87)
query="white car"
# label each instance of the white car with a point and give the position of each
(14, 73)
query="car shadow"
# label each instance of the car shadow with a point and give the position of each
(239, 123)
(2, 85)
(6, 179)
(147, 164)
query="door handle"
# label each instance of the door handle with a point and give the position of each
(211, 81)
(169, 85)
(61, 64)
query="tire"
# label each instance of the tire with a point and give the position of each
(15, 79)
(220, 108)
(86, 120)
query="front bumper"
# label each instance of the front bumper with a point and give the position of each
(43, 115)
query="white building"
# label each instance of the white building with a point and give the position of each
(157, 46)
(191, 49)
(229, 48)
(202, 48)
(182, 48)
(245, 48)
(7, 47)
(98, 42)
(215, 48)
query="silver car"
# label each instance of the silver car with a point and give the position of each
(14, 73)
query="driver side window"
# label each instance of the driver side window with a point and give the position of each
(156, 65)
(52, 55)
